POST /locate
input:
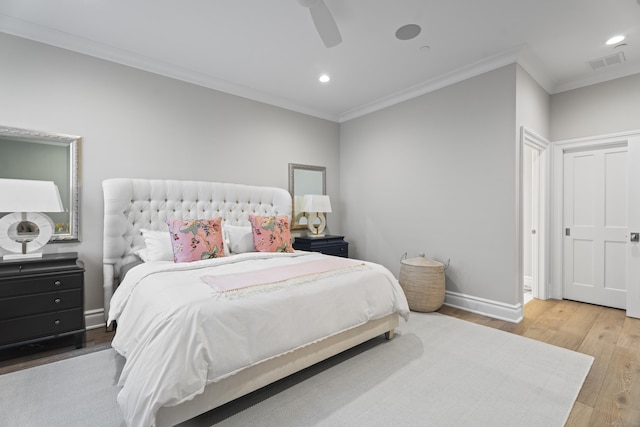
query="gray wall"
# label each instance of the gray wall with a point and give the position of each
(603, 108)
(532, 104)
(532, 112)
(436, 174)
(137, 124)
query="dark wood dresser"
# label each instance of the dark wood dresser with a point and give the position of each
(328, 245)
(41, 298)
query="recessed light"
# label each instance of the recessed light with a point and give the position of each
(615, 40)
(324, 78)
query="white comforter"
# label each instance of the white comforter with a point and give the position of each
(177, 334)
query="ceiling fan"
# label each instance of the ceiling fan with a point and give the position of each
(324, 22)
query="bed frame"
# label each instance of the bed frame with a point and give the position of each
(132, 204)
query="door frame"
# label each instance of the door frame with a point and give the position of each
(631, 140)
(531, 139)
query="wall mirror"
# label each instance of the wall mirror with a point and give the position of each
(304, 179)
(30, 154)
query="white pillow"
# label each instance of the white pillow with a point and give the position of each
(157, 246)
(238, 239)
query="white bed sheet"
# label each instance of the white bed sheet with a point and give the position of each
(177, 334)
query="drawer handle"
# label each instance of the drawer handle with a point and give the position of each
(57, 322)
(57, 300)
(57, 283)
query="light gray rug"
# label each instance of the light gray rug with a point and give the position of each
(437, 371)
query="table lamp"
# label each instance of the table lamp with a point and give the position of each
(315, 205)
(26, 230)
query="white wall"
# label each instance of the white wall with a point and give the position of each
(603, 108)
(436, 174)
(137, 124)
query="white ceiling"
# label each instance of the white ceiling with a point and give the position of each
(269, 50)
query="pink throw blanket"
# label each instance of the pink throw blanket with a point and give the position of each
(235, 281)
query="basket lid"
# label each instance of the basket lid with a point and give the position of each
(422, 262)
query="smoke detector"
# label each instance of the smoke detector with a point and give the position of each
(616, 58)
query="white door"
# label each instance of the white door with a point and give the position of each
(534, 225)
(530, 217)
(633, 247)
(595, 226)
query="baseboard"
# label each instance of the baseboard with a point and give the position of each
(94, 319)
(498, 310)
(511, 313)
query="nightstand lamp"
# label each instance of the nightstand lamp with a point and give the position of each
(315, 205)
(26, 230)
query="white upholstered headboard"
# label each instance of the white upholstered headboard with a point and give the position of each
(132, 204)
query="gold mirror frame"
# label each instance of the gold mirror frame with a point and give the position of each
(304, 179)
(67, 230)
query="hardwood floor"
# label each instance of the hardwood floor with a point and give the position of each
(610, 395)
(18, 358)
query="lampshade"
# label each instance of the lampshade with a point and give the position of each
(26, 230)
(316, 203)
(23, 195)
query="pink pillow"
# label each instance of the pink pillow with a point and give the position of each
(196, 239)
(271, 233)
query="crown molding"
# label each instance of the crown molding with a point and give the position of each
(596, 77)
(60, 39)
(521, 55)
(456, 76)
(63, 40)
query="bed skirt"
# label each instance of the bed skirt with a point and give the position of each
(257, 376)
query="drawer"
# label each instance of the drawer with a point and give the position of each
(43, 325)
(28, 305)
(341, 250)
(16, 286)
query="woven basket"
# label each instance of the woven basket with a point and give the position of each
(422, 281)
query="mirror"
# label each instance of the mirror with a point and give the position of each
(304, 179)
(29, 154)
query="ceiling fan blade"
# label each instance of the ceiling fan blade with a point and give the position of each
(325, 24)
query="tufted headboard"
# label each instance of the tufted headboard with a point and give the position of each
(132, 204)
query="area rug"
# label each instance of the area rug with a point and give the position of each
(437, 371)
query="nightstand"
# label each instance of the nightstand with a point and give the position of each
(41, 298)
(328, 245)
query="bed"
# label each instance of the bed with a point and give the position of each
(196, 335)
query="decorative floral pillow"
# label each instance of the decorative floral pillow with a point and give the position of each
(196, 239)
(271, 233)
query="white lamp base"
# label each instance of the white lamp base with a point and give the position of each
(317, 230)
(45, 229)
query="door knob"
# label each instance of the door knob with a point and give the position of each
(635, 237)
